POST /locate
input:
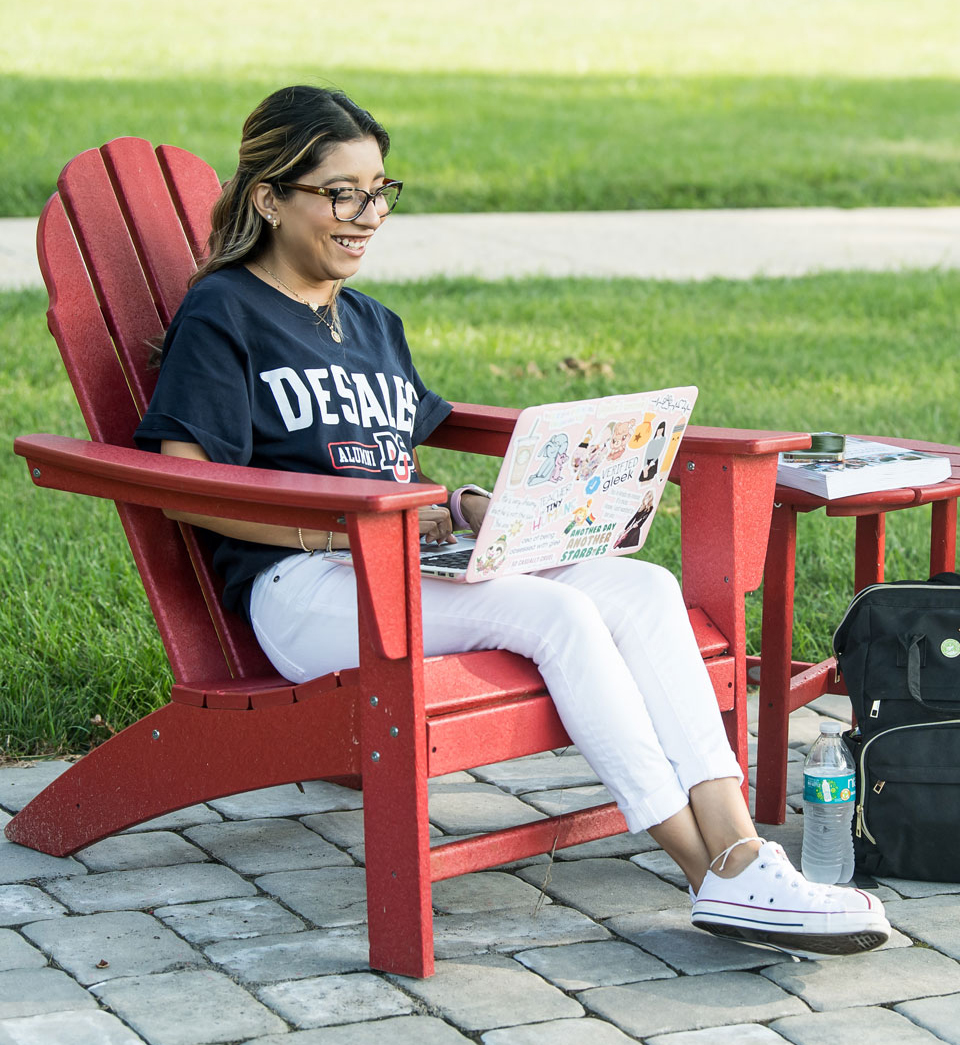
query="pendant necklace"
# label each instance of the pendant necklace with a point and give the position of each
(314, 306)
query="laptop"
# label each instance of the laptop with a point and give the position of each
(579, 480)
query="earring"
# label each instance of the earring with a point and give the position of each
(275, 223)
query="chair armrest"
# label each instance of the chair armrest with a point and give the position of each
(476, 429)
(227, 491)
(378, 516)
(486, 430)
(727, 477)
(701, 439)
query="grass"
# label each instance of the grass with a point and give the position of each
(871, 353)
(527, 106)
(510, 143)
(853, 37)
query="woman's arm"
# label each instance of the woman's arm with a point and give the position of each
(258, 533)
(434, 522)
(473, 507)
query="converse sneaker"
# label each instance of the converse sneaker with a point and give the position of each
(770, 902)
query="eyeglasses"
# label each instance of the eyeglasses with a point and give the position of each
(350, 203)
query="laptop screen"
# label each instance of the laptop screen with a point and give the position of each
(581, 480)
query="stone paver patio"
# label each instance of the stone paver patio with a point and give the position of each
(243, 921)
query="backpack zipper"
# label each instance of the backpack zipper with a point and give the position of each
(861, 819)
(873, 587)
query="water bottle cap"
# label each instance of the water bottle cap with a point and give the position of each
(831, 729)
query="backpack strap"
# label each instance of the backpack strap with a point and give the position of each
(913, 644)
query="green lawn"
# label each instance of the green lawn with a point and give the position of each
(524, 105)
(871, 353)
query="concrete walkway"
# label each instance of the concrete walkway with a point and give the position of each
(242, 920)
(648, 244)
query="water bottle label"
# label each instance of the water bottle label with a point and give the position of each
(826, 789)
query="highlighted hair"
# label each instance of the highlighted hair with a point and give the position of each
(286, 136)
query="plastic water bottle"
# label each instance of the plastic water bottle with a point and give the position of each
(829, 794)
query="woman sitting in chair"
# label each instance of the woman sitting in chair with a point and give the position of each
(272, 362)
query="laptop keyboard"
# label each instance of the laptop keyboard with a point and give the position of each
(455, 559)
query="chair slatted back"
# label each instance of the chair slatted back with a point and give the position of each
(193, 193)
(117, 244)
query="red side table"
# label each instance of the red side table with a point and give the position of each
(786, 684)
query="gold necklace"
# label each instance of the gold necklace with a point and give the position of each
(314, 306)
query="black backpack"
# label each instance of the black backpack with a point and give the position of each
(898, 648)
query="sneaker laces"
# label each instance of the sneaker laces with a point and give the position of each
(782, 868)
(722, 857)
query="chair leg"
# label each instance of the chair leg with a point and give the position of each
(399, 911)
(776, 654)
(396, 826)
(181, 755)
(393, 751)
(943, 536)
(871, 541)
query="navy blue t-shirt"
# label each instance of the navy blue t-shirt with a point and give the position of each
(256, 379)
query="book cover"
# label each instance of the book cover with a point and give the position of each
(866, 466)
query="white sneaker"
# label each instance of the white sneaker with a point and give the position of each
(770, 902)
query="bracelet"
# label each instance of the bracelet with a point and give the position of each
(310, 551)
(459, 522)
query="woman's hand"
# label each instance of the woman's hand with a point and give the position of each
(436, 527)
(473, 507)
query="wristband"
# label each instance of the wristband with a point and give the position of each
(459, 522)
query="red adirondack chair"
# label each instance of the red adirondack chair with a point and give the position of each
(117, 244)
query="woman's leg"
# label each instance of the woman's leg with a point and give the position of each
(642, 606)
(744, 888)
(715, 819)
(679, 836)
(306, 622)
(613, 729)
(593, 681)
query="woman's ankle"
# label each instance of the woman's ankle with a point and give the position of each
(737, 857)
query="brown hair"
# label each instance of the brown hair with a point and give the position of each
(288, 134)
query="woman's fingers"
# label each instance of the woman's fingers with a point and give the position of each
(436, 527)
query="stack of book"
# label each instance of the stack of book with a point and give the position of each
(861, 467)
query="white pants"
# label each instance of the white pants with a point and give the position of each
(611, 638)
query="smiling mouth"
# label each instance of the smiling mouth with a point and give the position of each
(357, 243)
